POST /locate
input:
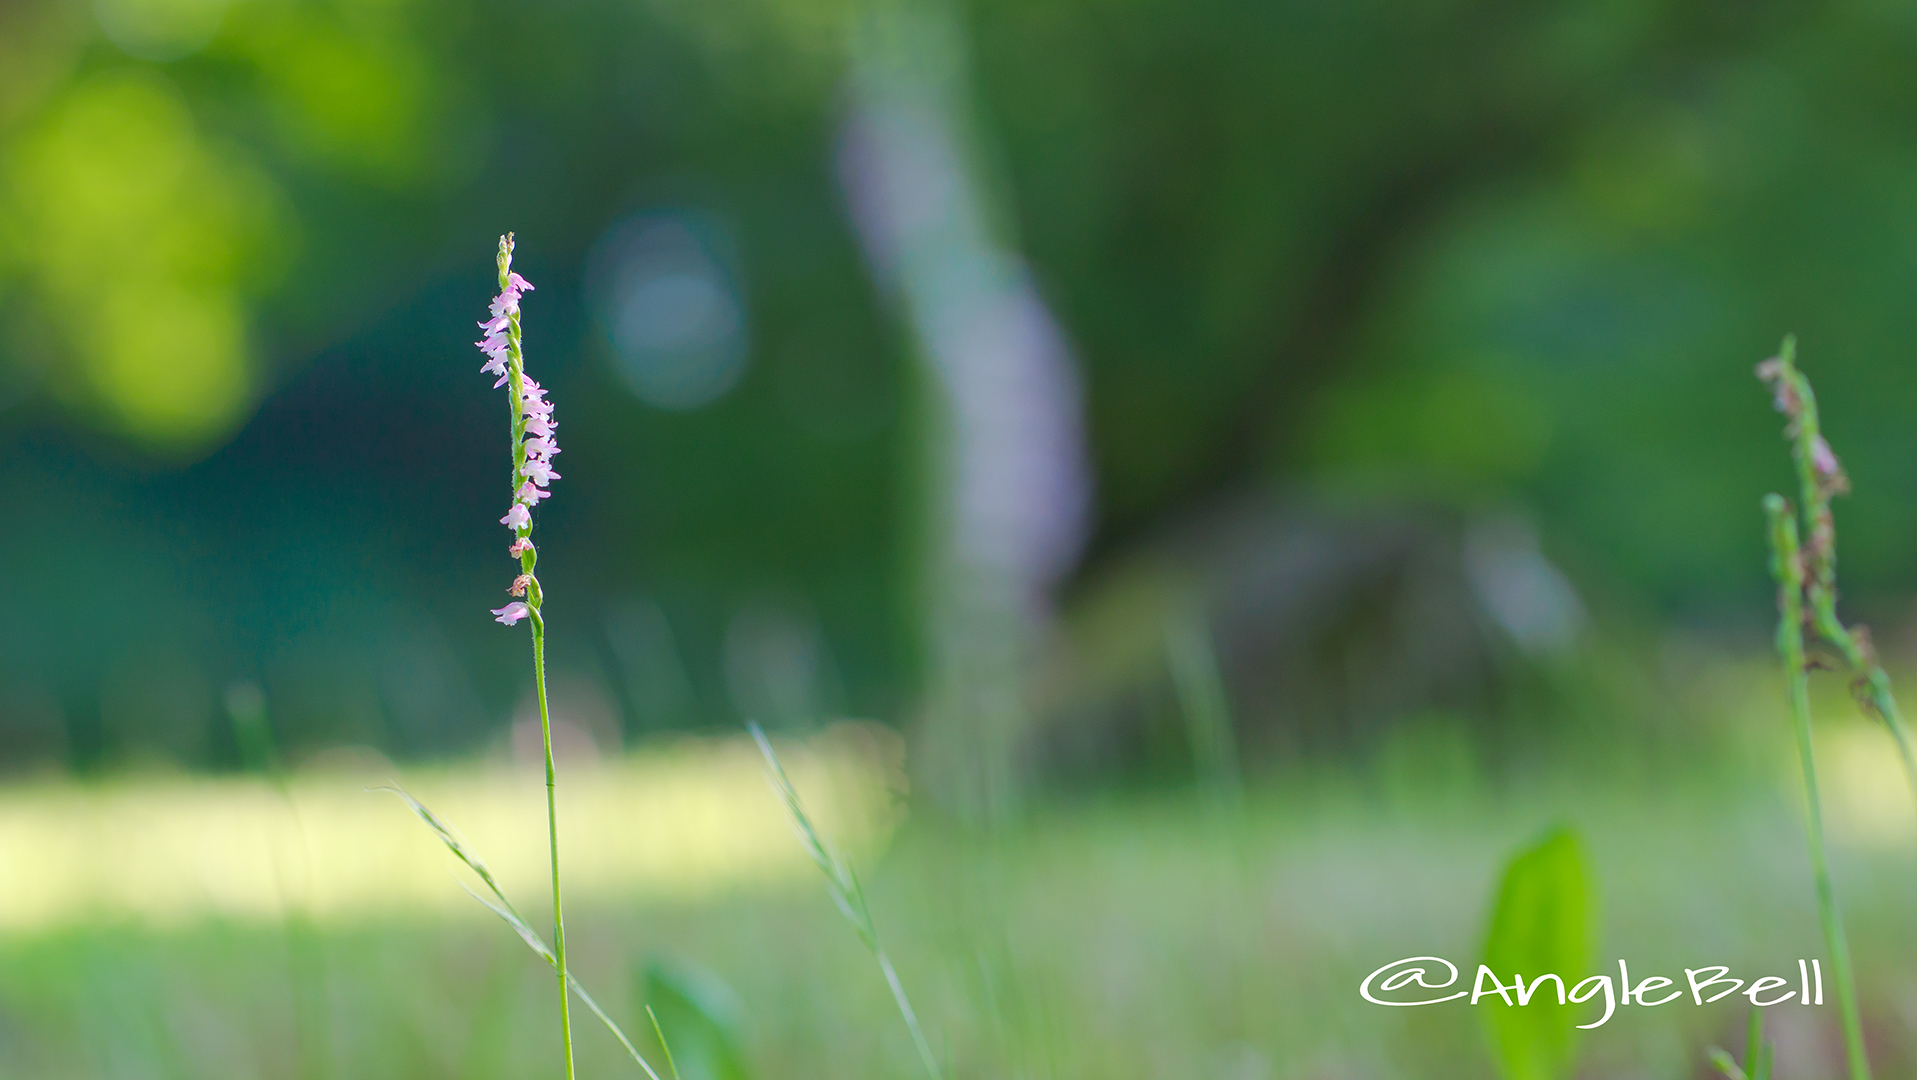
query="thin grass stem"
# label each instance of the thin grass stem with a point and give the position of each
(846, 893)
(1192, 657)
(659, 1033)
(905, 1010)
(306, 961)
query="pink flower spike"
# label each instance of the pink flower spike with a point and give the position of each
(533, 416)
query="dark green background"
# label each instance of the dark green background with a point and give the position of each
(1470, 256)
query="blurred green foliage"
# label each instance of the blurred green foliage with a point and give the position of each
(699, 1017)
(1112, 943)
(1458, 252)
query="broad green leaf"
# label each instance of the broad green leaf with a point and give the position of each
(698, 1016)
(1542, 925)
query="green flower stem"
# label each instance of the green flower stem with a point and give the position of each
(552, 830)
(1787, 565)
(515, 374)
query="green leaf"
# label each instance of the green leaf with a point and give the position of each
(1542, 925)
(698, 1017)
(1722, 1060)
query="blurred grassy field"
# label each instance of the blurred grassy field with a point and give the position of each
(182, 928)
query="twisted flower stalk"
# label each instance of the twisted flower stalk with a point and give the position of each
(532, 474)
(1821, 477)
(1806, 576)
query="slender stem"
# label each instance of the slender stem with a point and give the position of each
(660, 1033)
(1788, 567)
(905, 1009)
(552, 836)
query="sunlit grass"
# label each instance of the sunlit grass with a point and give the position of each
(1104, 939)
(678, 820)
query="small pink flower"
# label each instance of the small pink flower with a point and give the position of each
(518, 517)
(515, 283)
(511, 613)
(505, 303)
(520, 547)
(498, 324)
(495, 366)
(531, 494)
(1822, 457)
(539, 472)
(540, 425)
(542, 447)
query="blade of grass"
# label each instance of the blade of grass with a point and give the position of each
(663, 1045)
(506, 912)
(1193, 659)
(305, 951)
(1756, 1054)
(843, 884)
(1723, 1063)
(1757, 1050)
